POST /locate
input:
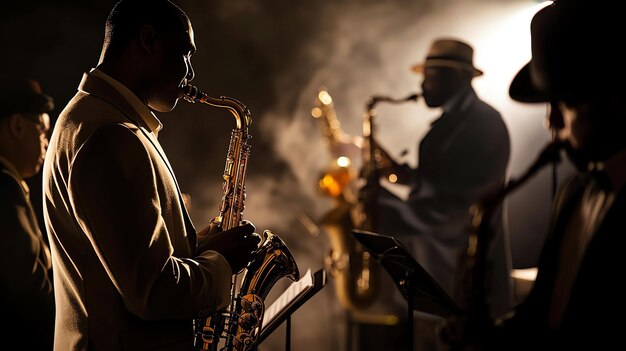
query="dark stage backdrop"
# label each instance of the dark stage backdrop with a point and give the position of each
(273, 55)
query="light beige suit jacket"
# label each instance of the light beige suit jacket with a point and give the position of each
(126, 272)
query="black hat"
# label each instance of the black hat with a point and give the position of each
(575, 45)
(23, 96)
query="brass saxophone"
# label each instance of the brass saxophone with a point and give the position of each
(239, 324)
(376, 162)
(351, 266)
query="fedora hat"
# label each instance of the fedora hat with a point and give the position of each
(571, 43)
(449, 52)
(23, 96)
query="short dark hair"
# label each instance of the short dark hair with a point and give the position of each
(23, 96)
(128, 16)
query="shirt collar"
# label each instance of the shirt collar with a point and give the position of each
(459, 102)
(147, 116)
(615, 170)
(12, 171)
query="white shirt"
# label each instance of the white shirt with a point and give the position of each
(586, 217)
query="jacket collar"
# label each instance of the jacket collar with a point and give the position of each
(613, 170)
(101, 85)
(460, 102)
(8, 168)
(453, 108)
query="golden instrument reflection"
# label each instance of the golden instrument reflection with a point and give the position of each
(350, 266)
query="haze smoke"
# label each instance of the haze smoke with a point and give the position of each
(274, 56)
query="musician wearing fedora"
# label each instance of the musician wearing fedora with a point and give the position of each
(576, 297)
(462, 157)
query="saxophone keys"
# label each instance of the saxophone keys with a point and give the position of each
(252, 304)
(248, 321)
(243, 341)
(208, 334)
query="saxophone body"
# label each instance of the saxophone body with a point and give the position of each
(352, 267)
(238, 326)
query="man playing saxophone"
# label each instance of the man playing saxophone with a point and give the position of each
(130, 271)
(464, 155)
(576, 302)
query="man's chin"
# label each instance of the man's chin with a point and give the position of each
(578, 158)
(163, 107)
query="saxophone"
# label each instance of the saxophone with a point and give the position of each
(351, 266)
(237, 327)
(470, 329)
(376, 162)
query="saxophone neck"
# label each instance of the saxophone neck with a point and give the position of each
(374, 100)
(232, 204)
(550, 154)
(474, 271)
(192, 94)
(325, 112)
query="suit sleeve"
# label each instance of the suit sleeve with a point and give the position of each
(113, 188)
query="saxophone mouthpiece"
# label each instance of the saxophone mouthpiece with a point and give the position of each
(190, 93)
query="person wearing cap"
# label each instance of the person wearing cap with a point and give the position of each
(26, 288)
(576, 301)
(462, 157)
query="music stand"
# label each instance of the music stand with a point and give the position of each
(319, 281)
(420, 290)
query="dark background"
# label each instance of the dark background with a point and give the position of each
(273, 56)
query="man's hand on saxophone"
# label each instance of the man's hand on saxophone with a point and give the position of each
(236, 245)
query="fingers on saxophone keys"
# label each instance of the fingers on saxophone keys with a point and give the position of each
(247, 227)
(255, 239)
(251, 242)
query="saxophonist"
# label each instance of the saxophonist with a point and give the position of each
(464, 154)
(577, 292)
(130, 271)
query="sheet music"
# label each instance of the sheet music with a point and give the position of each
(293, 291)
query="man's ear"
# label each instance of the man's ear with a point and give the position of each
(147, 37)
(16, 125)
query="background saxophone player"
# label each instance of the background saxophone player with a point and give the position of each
(464, 154)
(274, 56)
(576, 290)
(130, 270)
